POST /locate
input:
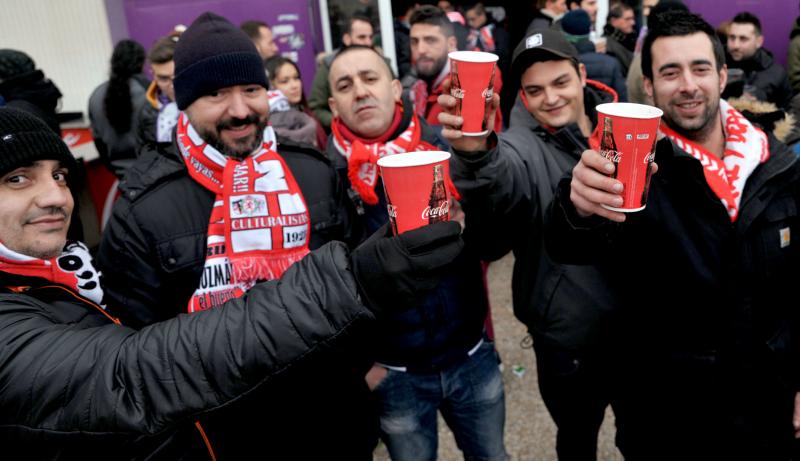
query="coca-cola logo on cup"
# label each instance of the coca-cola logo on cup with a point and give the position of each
(487, 93)
(437, 212)
(457, 93)
(613, 155)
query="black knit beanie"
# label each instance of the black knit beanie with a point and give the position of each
(25, 139)
(214, 54)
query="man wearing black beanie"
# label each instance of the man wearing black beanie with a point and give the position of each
(227, 205)
(73, 376)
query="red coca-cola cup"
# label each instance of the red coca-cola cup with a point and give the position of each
(472, 84)
(629, 140)
(416, 191)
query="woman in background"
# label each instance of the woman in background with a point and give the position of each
(284, 76)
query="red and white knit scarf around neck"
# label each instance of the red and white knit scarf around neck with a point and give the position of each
(362, 154)
(72, 269)
(259, 225)
(745, 148)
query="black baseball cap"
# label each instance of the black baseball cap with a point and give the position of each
(539, 45)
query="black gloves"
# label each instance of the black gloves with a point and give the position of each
(398, 272)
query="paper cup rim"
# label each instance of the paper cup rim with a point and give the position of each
(630, 110)
(410, 159)
(473, 56)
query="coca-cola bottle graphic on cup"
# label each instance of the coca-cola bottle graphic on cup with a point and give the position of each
(438, 207)
(488, 94)
(608, 147)
(649, 160)
(455, 87)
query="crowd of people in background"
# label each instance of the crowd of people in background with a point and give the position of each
(679, 317)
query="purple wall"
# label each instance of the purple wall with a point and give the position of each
(291, 23)
(777, 17)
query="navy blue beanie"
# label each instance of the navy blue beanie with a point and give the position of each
(214, 54)
(576, 23)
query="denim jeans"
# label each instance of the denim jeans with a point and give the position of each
(469, 395)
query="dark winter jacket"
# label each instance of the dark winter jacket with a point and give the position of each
(152, 256)
(505, 193)
(443, 329)
(76, 386)
(117, 150)
(709, 304)
(617, 47)
(602, 68)
(765, 77)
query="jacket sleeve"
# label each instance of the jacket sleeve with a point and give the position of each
(109, 379)
(570, 238)
(498, 197)
(320, 91)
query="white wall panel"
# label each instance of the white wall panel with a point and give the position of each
(68, 39)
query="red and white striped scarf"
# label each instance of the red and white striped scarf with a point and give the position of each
(259, 225)
(73, 269)
(362, 155)
(746, 147)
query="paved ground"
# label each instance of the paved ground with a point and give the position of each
(530, 433)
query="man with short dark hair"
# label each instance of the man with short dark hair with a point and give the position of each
(432, 38)
(705, 274)
(433, 356)
(360, 32)
(261, 35)
(764, 78)
(507, 182)
(74, 377)
(226, 205)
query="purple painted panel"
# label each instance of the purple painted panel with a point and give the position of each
(290, 21)
(777, 17)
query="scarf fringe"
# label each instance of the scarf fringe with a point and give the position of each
(358, 157)
(253, 268)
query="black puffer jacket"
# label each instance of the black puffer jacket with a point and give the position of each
(75, 386)
(767, 79)
(152, 256)
(505, 193)
(154, 244)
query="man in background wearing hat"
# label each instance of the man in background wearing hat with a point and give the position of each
(507, 182)
(576, 26)
(73, 377)
(226, 205)
(432, 356)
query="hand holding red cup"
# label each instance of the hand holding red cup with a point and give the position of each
(629, 135)
(416, 188)
(472, 76)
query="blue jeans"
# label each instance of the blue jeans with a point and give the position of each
(469, 395)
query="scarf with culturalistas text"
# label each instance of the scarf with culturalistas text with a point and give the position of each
(259, 225)
(745, 148)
